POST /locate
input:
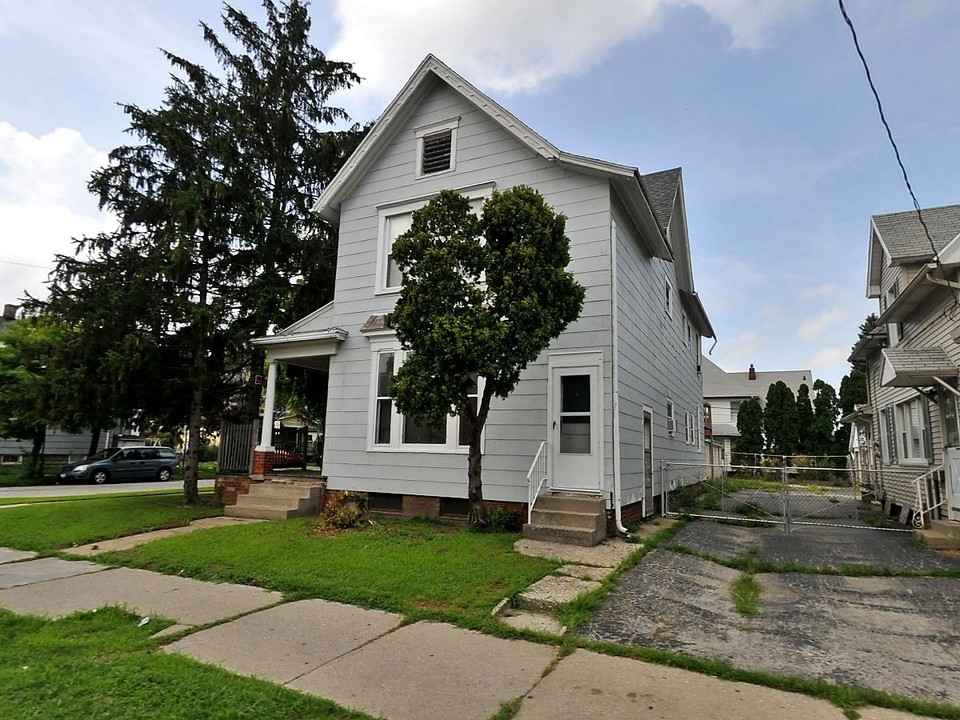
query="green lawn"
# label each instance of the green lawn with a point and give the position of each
(47, 527)
(101, 665)
(417, 568)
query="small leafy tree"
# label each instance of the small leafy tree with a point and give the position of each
(750, 427)
(780, 419)
(481, 297)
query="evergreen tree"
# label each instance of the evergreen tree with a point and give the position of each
(780, 420)
(216, 241)
(826, 409)
(750, 427)
(804, 420)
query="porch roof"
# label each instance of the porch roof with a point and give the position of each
(307, 349)
(916, 367)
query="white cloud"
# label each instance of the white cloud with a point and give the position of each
(824, 321)
(43, 204)
(510, 46)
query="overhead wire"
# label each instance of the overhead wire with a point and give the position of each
(893, 143)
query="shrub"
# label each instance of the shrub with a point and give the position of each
(503, 520)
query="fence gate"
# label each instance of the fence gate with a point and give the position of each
(773, 493)
(291, 446)
(236, 447)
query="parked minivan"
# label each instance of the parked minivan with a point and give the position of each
(143, 462)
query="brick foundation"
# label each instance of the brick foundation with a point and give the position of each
(428, 506)
(226, 488)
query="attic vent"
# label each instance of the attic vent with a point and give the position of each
(437, 150)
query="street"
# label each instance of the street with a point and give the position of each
(28, 491)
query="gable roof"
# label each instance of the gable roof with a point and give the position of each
(718, 383)
(662, 189)
(626, 180)
(900, 238)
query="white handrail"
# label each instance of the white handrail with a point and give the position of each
(925, 504)
(538, 472)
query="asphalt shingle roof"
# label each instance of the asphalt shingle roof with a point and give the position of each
(903, 236)
(717, 383)
(921, 361)
(661, 190)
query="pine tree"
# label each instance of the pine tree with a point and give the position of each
(780, 420)
(804, 420)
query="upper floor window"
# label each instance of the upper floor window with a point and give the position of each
(396, 219)
(437, 147)
(671, 418)
(894, 330)
(668, 298)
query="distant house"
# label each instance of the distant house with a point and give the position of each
(724, 392)
(617, 392)
(909, 426)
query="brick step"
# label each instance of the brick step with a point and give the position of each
(584, 537)
(568, 518)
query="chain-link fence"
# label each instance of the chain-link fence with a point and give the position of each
(773, 492)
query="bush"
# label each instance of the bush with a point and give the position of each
(503, 520)
(349, 511)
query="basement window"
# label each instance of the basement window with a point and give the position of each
(437, 147)
(385, 502)
(454, 507)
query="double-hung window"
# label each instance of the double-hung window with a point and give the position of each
(389, 430)
(905, 432)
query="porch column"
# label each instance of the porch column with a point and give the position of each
(266, 429)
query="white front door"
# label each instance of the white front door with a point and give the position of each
(575, 422)
(953, 483)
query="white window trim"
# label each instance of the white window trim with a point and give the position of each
(899, 429)
(451, 124)
(671, 418)
(473, 193)
(396, 444)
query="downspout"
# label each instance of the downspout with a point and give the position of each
(615, 381)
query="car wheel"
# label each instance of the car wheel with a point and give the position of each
(100, 477)
(163, 475)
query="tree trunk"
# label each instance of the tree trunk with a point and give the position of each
(191, 493)
(478, 511)
(94, 441)
(34, 469)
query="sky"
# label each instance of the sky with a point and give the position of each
(763, 103)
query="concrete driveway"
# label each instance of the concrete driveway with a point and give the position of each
(895, 634)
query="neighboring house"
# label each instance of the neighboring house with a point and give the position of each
(724, 391)
(910, 422)
(617, 392)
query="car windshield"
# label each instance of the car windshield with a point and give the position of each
(103, 454)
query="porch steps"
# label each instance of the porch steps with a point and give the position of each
(568, 519)
(277, 501)
(941, 535)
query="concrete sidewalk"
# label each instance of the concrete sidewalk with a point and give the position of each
(369, 661)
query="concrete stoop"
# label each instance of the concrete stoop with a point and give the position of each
(568, 519)
(941, 535)
(277, 501)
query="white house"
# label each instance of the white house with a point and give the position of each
(910, 424)
(627, 368)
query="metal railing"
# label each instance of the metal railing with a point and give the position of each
(536, 477)
(929, 496)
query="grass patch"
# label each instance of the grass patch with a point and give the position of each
(745, 593)
(48, 527)
(421, 569)
(101, 666)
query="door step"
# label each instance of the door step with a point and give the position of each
(568, 520)
(278, 501)
(941, 535)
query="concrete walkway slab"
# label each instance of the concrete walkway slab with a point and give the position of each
(431, 670)
(588, 685)
(584, 572)
(610, 553)
(553, 590)
(184, 600)
(8, 555)
(42, 570)
(282, 643)
(132, 541)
